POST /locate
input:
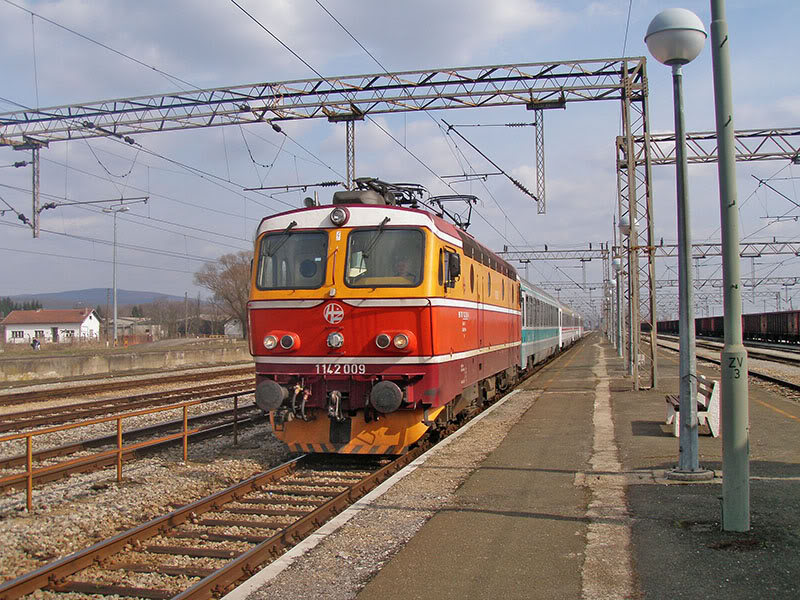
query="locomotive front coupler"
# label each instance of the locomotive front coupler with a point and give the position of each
(335, 405)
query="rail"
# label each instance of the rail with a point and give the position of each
(297, 524)
(120, 450)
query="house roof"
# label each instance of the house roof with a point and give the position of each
(43, 316)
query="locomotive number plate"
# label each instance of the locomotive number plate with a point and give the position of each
(341, 369)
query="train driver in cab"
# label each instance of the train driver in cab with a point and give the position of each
(402, 266)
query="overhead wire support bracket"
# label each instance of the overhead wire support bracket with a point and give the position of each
(297, 186)
(494, 164)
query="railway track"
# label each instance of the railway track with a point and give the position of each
(205, 548)
(751, 373)
(55, 415)
(114, 386)
(222, 422)
(755, 350)
(200, 550)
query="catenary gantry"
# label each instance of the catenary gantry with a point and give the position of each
(537, 86)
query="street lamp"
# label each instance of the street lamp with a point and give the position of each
(625, 225)
(675, 37)
(123, 206)
(115, 211)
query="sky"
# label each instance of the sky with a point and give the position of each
(72, 51)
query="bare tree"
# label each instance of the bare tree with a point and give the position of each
(165, 314)
(228, 280)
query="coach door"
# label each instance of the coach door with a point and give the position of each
(560, 329)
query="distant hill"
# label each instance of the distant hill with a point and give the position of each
(93, 297)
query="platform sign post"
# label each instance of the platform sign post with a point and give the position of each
(735, 400)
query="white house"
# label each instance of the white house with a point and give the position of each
(233, 328)
(23, 326)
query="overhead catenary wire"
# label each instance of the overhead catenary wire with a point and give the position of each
(404, 146)
(101, 44)
(276, 38)
(316, 72)
(96, 260)
(193, 170)
(448, 139)
(128, 57)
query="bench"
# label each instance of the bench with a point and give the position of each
(708, 402)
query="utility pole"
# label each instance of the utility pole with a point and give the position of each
(735, 408)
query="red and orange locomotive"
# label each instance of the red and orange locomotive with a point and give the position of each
(370, 321)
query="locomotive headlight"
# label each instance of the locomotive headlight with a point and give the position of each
(270, 342)
(335, 340)
(401, 341)
(287, 342)
(383, 341)
(339, 216)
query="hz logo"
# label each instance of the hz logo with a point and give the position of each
(333, 313)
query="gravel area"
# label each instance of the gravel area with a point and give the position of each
(345, 561)
(74, 513)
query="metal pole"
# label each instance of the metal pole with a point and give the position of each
(36, 190)
(688, 453)
(630, 346)
(735, 402)
(350, 151)
(114, 278)
(620, 340)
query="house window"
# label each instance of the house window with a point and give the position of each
(17, 335)
(68, 332)
(39, 333)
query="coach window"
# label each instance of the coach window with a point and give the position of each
(292, 260)
(472, 278)
(384, 257)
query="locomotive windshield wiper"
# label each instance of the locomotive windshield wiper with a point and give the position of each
(374, 240)
(271, 251)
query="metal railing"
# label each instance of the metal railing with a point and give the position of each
(120, 450)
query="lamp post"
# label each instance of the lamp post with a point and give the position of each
(675, 37)
(115, 211)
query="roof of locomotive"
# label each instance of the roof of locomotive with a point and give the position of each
(318, 217)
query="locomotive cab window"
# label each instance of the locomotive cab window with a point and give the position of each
(292, 260)
(384, 257)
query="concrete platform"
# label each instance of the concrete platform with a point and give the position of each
(573, 503)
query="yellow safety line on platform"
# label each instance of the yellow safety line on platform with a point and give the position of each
(778, 410)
